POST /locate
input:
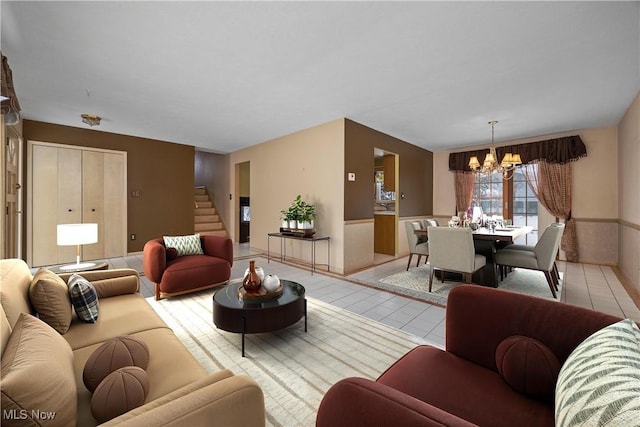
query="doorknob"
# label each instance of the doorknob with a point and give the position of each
(18, 186)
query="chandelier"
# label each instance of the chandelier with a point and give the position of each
(490, 164)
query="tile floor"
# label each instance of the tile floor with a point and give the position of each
(591, 286)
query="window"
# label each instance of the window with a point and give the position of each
(493, 194)
(488, 193)
(525, 207)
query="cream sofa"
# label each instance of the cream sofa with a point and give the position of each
(180, 390)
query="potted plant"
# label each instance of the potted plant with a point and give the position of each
(284, 219)
(307, 216)
(289, 217)
(300, 215)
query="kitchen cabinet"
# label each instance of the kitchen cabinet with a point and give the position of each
(384, 229)
(389, 167)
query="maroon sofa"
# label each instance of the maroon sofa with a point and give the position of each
(173, 275)
(491, 374)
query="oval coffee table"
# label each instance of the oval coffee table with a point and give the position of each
(233, 314)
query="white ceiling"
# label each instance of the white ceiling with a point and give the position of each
(226, 75)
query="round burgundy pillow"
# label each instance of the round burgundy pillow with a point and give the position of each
(113, 354)
(172, 253)
(121, 391)
(528, 366)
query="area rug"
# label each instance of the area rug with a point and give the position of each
(415, 283)
(293, 368)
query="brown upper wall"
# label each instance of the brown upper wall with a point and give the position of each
(415, 174)
(162, 172)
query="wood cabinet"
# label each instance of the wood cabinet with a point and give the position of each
(384, 229)
(389, 167)
(71, 184)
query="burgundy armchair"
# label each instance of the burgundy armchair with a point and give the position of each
(174, 275)
(463, 385)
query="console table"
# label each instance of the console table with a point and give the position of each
(313, 240)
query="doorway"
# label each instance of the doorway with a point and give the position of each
(384, 203)
(243, 211)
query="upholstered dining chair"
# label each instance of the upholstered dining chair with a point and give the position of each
(541, 258)
(432, 222)
(554, 271)
(415, 248)
(451, 249)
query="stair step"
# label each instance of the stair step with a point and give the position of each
(205, 215)
(206, 226)
(206, 218)
(205, 211)
(222, 233)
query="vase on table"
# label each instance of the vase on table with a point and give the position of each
(271, 282)
(259, 270)
(251, 282)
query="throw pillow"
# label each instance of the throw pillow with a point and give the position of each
(599, 383)
(112, 355)
(38, 381)
(120, 392)
(528, 366)
(49, 296)
(84, 298)
(185, 245)
(172, 253)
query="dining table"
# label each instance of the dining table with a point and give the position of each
(486, 242)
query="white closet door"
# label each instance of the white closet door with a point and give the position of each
(56, 200)
(93, 200)
(115, 210)
(72, 185)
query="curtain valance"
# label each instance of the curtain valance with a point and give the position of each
(557, 150)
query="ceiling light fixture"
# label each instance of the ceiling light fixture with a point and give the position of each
(91, 119)
(508, 164)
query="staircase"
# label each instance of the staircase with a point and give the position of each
(206, 218)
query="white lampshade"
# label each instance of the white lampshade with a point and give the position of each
(77, 234)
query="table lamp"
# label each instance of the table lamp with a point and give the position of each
(77, 234)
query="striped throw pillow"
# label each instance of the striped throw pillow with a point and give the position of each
(599, 383)
(84, 298)
(185, 245)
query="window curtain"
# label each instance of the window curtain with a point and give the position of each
(464, 190)
(551, 183)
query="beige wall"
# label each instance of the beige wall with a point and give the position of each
(629, 194)
(310, 163)
(595, 192)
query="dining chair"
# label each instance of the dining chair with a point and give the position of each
(452, 249)
(415, 247)
(554, 270)
(431, 223)
(541, 258)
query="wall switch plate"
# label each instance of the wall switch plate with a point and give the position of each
(351, 176)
